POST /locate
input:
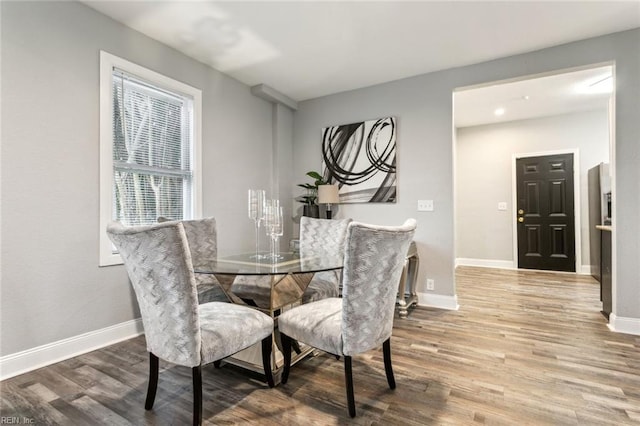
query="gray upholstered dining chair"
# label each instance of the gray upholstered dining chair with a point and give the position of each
(321, 236)
(363, 318)
(202, 237)
(177, 328)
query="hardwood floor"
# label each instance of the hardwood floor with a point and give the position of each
(524, 348)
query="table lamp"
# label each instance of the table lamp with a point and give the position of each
(328, 194)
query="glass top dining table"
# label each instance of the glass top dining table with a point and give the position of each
(288, 263)
(270, 286)
(265, 283)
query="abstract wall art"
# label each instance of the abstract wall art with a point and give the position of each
(361, 159)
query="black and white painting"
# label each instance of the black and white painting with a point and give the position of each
(361, 159)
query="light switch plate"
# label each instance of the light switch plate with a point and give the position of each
(502, 206)
(425, 205)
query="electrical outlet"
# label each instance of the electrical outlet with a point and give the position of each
(425, 205)
(430, 284)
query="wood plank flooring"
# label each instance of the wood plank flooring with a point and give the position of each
(525, 348)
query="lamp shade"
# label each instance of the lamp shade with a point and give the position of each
(328, 194)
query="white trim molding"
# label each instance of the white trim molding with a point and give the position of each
(485, 263)
(507, 264)
(624, 325)
(439, 301)
(41, 356)
(586, 270)
(108, 62)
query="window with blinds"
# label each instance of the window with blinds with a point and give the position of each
(150, 141)
(151, 152)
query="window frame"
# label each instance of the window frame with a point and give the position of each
(108, 62)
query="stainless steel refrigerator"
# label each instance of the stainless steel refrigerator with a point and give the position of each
(599, 211)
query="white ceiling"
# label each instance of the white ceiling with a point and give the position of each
(308, 49)
(582, 90)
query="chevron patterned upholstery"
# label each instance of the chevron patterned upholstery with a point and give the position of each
(159, 266)
(158, 261)
(178, 329)
(203, 243)
(322, 236)
(363, 318)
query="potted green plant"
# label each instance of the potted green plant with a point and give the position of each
(310, 207)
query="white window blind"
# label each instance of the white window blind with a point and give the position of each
(150, 148)
(152, 151)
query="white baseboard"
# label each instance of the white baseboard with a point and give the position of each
(624, 325)
(505, 264)
(438, 301)
(31, 359)
(585, 270)
(485, 263)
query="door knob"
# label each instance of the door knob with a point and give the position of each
(520, 211)
(521, 219)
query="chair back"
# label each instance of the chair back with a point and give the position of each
(158, 261)
(202, 236)
(323, 236)
(374, 259)
(203, 239)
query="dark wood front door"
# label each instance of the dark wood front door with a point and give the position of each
(545, 213)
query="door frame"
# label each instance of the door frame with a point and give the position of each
(576, 204)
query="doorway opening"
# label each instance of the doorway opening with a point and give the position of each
(565, 112)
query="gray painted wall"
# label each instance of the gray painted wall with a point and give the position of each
(283, 151)
(484, 157)
(423, 107)
(52, 287)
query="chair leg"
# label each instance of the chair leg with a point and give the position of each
(351, 402)
(386, 349)
(286, 351)
(267, 347)
(153, 381)
(196, 372)
(296, 346)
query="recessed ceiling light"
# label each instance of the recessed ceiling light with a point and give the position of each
(526, 98)
(499, 112)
